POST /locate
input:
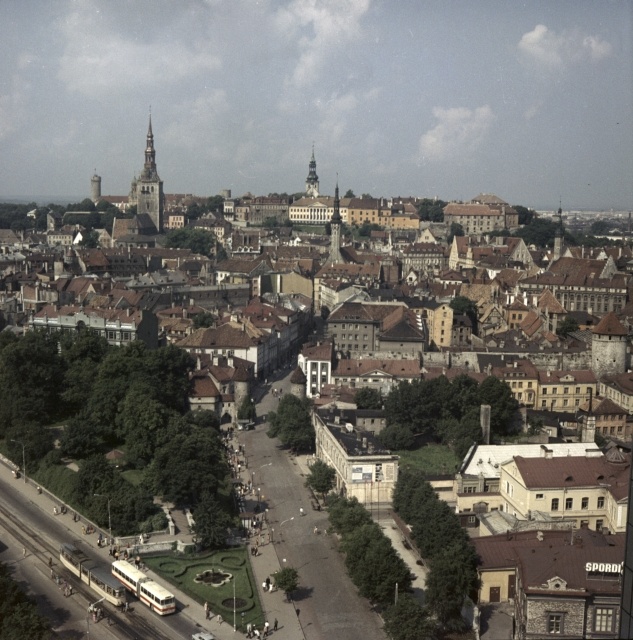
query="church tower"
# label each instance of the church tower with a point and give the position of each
(147, 190)
(312, 181)
(335, 239)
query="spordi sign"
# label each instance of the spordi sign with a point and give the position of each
(604, 567)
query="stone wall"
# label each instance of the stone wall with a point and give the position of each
(539, 609)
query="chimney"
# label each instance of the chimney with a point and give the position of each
(484, 416)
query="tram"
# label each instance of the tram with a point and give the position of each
(154, 595)
(95, 575)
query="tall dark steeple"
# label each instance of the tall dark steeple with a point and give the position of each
(335, 225)
(147, 191)
(312, 181)
(149, 169)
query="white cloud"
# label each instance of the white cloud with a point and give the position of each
(320, 29)
(99, 58)
(553, 51)
(459, 133)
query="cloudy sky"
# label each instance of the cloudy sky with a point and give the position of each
(530, 100)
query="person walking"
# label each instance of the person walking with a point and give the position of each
(275, 623)
(24, 552)
(266, 627)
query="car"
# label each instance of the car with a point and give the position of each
(203, 635)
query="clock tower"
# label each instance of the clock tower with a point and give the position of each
(312, 181)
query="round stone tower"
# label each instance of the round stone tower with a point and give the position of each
(241, 388)
(608, 346)
(298, 383)
(95, 188)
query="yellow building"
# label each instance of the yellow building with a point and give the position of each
(440, 319)
(565, 390)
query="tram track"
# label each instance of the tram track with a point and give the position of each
(128, 626)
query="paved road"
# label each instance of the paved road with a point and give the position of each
(327, 601)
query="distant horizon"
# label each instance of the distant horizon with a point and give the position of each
(43, 200)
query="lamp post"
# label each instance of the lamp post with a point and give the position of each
(258, 496)
(99, 495)
(280, 525)
(90, 608)
(23, 457)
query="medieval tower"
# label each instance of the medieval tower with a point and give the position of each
(95, 188)
(312, 181)
(608, 346)
(146, 191)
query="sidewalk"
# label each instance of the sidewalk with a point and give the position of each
(263, 565)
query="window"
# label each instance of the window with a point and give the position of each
(554, 504)
(539, 496)
(601, 503)
(566, 390)
(604, 618)
(584, 503)
(569, 503)
(555, 623)
(599, 524)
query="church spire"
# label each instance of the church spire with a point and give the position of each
(336, 214)
(312, 181)
(149, 169)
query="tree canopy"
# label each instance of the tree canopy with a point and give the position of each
(321, 477)
(368, 398)
(287, 579)
(198, 240)
(292, 423)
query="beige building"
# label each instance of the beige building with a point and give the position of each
(590, 490)
(364, 469)
(440, 323)
(565, 390)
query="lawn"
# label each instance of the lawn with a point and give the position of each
(433, 459)
(133, 476)
(181, 571)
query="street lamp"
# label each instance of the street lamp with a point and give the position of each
(280, 525)
(258, 496)
(99, 495)
(23, 457)
(90, 609)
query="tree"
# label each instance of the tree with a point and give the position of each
(349, 194)
(292, 423)
(431, 209)
(18, 613)
(203, 320)
(287, 579)
(567, 326)
(600, 227)
(247, 410)
(198, 240)
(347, 514)
(211, 523)
(456, 230)
(90, 240)
(368, 398)
(397, 437)
(321, 477)
(525, 215)
(540, 232)
(452, 576)
(466, 307)
(503, 406)
(408, 620)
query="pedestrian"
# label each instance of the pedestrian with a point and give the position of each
(275, 623)
(316, 529)
(301, 511)
(127, 607)
(264, 586)
(219, 618)
(24, 552)
(268, 584)
(266, 627)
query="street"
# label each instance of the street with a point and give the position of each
(327, 602)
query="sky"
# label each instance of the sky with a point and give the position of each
(531, 101)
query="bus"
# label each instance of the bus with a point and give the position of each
(154, 595)
(94, 574)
